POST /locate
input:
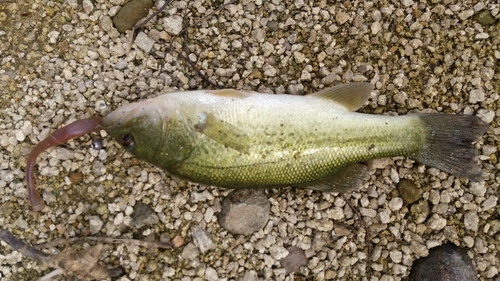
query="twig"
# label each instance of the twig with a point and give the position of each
(51, 275)
(141, 243)
(367, 236)
(22, 247)
(184, 34)
(195, 68)
(84, 265)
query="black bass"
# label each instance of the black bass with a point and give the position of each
(242, 139)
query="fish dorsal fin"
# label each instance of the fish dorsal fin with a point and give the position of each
(352, 96)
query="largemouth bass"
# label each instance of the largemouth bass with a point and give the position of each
(243, 139)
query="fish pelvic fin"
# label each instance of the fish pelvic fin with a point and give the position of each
(449, 143)
(352, 96)
(345, 179)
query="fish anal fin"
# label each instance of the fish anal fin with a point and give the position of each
(347, 178)
(222, 132)
(352, 96)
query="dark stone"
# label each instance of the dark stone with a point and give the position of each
(131, 13)
(444, 263)
(484, 18)
(409, 191)
(143, 215)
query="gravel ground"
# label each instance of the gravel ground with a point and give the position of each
(62, 60)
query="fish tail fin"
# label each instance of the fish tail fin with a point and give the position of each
(449, 143)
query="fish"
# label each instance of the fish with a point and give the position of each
(244, 139)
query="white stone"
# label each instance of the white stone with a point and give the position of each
(117, 50)
(489, 203)
(173, 24)
(118, 219)
(396, 256)
(465, 14)
(144, 42)
(368, 212)
(384, 216)
(407, 3)
(400, 97)
(436, 222)
(476, 95)
(481, 36)
(278, 252)
(478, 189)
(202, 239)
(471, 220)
(20, 136)
(259, 35)
(267, 48)
(88, 7)
(53, 36)
(298, 3)
(95, 224)
(211, 274)
(396, 203)
(299, 57)
(469, 241)
(486, 115)
(376, 27)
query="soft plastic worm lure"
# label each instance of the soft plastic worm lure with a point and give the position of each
(73, 130)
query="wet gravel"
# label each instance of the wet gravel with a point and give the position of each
(63, 60)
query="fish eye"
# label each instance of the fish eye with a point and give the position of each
(127, 141)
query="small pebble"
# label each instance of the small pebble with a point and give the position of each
(173, 24)
(144, 42)
(296, 89)
(202, 239)
(471, 220)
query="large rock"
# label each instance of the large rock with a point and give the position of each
(444, 263)
(131, 13)
(245, 211)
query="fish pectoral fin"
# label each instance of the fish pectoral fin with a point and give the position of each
(347, 178)
(352, 96)
(223, 132)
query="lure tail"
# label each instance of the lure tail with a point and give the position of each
(449, 143)
(73, 130)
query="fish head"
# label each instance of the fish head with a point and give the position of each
(140, 127)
